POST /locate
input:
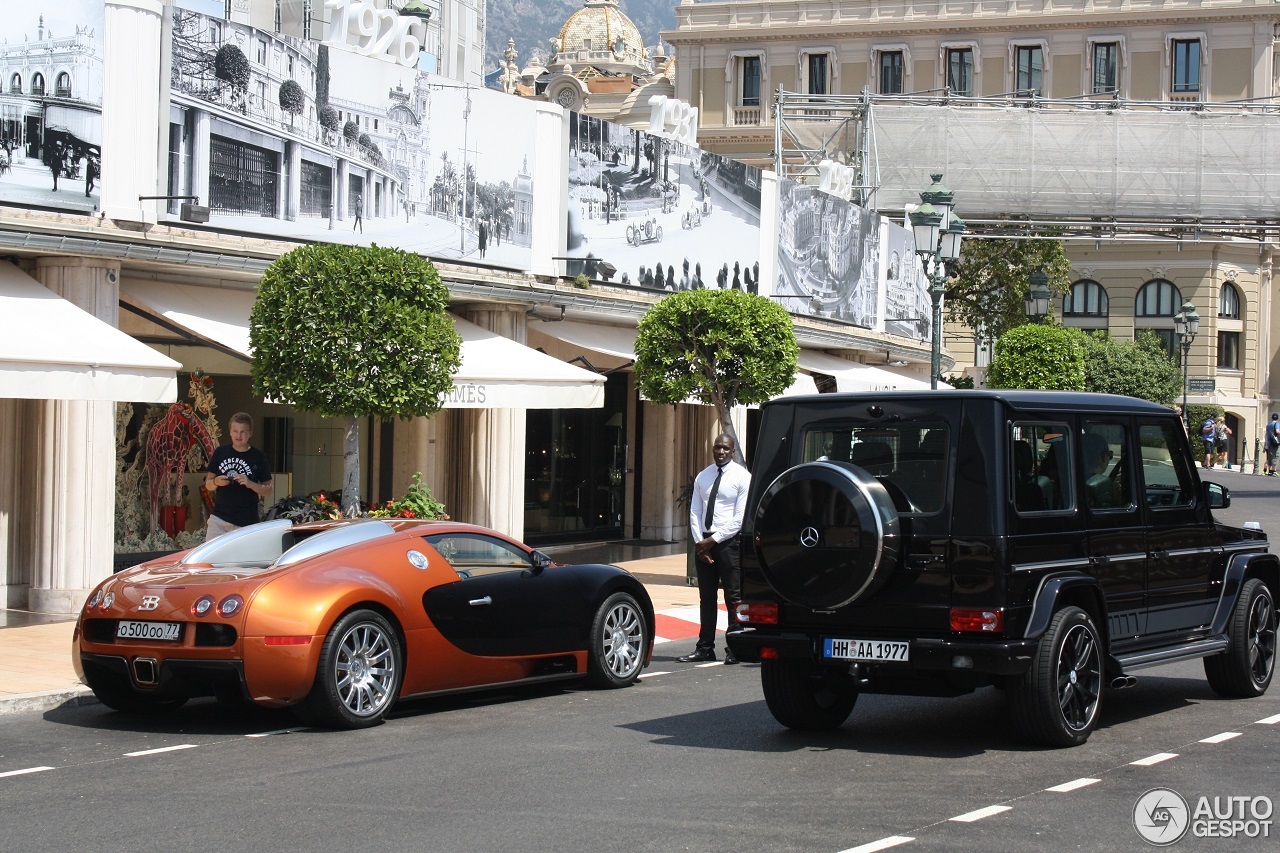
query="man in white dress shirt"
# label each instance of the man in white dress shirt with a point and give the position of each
(715, 518)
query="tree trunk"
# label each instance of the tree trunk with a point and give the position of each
(351, 468)
(726, 426)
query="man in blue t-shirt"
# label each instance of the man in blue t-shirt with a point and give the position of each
(1272, 443)
(238, 476)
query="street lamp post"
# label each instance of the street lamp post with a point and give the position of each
(1038, 296)
(1186, 324)
(937, 232)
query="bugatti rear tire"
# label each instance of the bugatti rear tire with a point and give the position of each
(359, 676)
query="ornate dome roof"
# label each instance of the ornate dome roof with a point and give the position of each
(600, 26)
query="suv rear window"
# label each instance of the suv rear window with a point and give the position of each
(909, 458)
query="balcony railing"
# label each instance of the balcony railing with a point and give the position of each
(747, 116)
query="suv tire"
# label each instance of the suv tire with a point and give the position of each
(801, 696)
(826, 534)
(1057, 702)
(1245, 670)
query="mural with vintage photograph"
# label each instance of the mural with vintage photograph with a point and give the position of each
(51, 104)
(665, 215)
(286, 137)
(828, 256)
(907, 309)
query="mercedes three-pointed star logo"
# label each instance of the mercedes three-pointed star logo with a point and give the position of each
(809, 537)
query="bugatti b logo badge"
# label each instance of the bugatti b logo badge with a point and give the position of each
(809, 537)
(149, 602)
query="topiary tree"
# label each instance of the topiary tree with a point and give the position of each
(352, 332)
(351, 131)
(232, 67)
(1141, 368)
(1043, 357)
(292, 99)
(722, 347)
(329, 120)
(990, 281)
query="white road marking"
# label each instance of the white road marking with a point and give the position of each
(1219, 738)
(711, 663)
(1269, 721)
(882, 844)
(1154, 759)
(161, 749)
(970, 817)
(280, 731)
(24, 771)
(652, 674)
(1075, 785)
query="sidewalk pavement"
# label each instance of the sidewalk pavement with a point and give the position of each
(35, 660)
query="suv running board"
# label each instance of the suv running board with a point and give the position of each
(1186, 651)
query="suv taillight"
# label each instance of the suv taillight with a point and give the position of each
(972, 620)
(757, 613)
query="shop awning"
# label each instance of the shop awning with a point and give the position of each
(50, 349)
(496, 372)
(850, 376)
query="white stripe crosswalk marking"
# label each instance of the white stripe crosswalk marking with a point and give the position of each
(1269, 721)
(1074, 785)
(1221, 737)
(882, 844)
(979, 814)
(24, 771)
(1154, 759)
(161, 749)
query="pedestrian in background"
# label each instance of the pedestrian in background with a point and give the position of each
(238, 476)
(1272, 443)
(1222, 440)
(715, 520)
(1208, 438)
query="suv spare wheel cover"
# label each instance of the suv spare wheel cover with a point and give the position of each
(826, 534)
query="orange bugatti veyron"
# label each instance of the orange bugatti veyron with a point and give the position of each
(340, 619)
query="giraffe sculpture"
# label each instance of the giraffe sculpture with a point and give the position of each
(168, 444)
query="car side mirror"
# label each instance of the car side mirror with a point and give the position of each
(1216, 496)
(540, 561)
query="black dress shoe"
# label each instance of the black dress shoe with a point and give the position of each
(698, 656)
(729, 657)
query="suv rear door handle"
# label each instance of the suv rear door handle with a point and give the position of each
(1099, 560)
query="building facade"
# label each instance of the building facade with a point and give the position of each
(1139, 131)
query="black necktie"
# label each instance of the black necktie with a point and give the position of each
(711, 500)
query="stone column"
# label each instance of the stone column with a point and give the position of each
(293, 180)
(18, 484)
(73, 504)
(491, 445)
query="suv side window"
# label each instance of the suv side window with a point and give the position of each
(1040, 466)
(1166, 476)
(910, 458)
(1107, 469)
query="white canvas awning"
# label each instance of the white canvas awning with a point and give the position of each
(496, 372)
(850, 376)
(50, 349)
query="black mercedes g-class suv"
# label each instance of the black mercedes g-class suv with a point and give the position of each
(1048, 543)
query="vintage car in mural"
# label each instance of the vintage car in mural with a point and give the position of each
(647, 230)
(340, 619)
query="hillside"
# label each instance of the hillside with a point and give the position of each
(533, 22)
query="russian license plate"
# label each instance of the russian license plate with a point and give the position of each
(868, 650)
(128, 630)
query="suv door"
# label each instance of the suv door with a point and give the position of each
(1181, 538)
(1117, 540)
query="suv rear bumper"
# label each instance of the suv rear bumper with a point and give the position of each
(927, 655)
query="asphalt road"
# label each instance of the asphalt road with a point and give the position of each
(688, 759)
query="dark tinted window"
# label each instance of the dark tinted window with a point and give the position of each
(1040, 466)
(909, 458)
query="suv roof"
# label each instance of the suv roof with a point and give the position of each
(1017, 398)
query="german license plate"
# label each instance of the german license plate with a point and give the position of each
(128, 630)
(867, 650)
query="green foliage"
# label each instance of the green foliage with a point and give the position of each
(721, 347)
(417, 502)
(329, 118)
(353, 331)
(582, 281)
(231, 66)
(1142, 368)
(292, 99)
(1043, 357)
(1198, 413)
(959, 382)
(351, 131)
(991, 279)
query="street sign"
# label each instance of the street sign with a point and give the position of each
(1200, 386)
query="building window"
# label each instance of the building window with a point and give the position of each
(1106, 66)
(1157, 298)
(1030, 68)
(1229, 350)
(1186, 66)
(750, 81)
(62, 86)
(960, 70)
(1228, 303)
(277, 16)
(891, 76)
(262, 52)
(1086, 299)
(816, 67)
(15, 84)
(306, 19)
(37, 84)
